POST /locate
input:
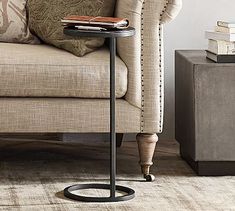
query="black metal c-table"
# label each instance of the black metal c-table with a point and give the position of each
(112, 35)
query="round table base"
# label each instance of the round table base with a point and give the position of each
(130, 194)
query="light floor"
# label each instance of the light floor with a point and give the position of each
(33, 174)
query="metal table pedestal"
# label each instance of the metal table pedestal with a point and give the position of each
(128, 192)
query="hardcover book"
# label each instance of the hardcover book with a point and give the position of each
(226, 24)
(220, 58)
(105, 22)
(225, 29)
(220, 36)
(221, 47)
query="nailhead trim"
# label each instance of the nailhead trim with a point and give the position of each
(160, 66)
(142, 71)
(160, 70)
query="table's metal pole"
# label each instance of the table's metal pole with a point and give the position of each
(112, 118)
(128, 192)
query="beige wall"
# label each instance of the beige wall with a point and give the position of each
(187, 32)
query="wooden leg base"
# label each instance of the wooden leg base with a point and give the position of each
(146, 145)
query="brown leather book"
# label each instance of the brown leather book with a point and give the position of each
(106, 22)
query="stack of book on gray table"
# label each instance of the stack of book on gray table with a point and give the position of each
(221, 44)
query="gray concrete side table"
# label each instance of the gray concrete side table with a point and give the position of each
(205, 113)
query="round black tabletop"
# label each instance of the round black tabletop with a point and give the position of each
(128, 32)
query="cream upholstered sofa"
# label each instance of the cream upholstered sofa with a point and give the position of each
(47, 90)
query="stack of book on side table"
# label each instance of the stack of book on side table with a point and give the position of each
(94, 23)
(221, 45)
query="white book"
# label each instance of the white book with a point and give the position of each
(226, 24)
(225, 29)
(221, 47)
(92, 28)
(211, 35)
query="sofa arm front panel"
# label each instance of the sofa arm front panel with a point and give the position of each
(143, 55)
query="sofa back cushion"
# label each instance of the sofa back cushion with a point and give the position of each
(45, 21)
(13, 22)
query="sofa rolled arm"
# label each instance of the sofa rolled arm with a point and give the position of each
(173, 8)
(143, 55)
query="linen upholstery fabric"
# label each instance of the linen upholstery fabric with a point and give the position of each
(58, 115)
(141, 110)
(172, 10)
(45, 21)
(13, 22)
(42, 70)
(143, 55)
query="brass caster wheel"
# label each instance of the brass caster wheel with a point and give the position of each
(149, 177)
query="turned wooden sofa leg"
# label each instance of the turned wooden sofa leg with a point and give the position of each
(119, 139)
(146, 144)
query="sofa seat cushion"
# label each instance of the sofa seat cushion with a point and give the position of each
(45, 71)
